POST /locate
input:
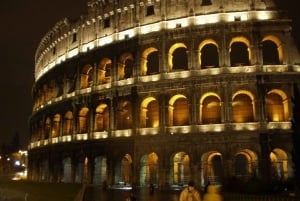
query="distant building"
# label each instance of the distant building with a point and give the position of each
(162, 91)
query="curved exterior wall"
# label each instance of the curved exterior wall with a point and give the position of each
(164, 91)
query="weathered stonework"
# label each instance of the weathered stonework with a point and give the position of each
(164, 91)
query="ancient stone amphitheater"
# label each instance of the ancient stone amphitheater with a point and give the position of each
(164, 91)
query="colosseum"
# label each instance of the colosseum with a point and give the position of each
(142, 92)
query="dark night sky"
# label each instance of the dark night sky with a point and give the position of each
(23, 23)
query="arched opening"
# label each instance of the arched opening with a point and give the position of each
(210, 109)
(101, 122)
(279, 164)
(209, 56)
(124, 172)
(240, 53)
(68, 123)
(125, 66)
(178, 58)
(47, 130)
(149, 170)
(178, 111)
(56, 125)
(149, 114)
(212, 168)
(277, 106)
(272, 50)
(150, 62)
(81, 173)
(83, 120)
(67, 170)
(181, 170)
(104, 71)
(124, 115)
(270, 53)
(245, 164)
(100, 171)
(86, 77)
(242, 108)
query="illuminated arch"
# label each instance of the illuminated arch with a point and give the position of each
(171, 51)
(202, 45)
(212, 168)
(181, 169)
(101, 122)
(279, 164)
(149, 169)
(56, 125)
(86, 76)
(124, 115)
(149, 114)
(125, 66)
(277, 105)
(245, 163)
(126, 169)
(239, 39)
(278, 43)
(210, 108)
(243, 107)
(104, 71)
(178, 110)
(47, 130)
(51, 90)
(144, 59)
(236, 55)
(81, 170)
(68, 123)
(83, 120)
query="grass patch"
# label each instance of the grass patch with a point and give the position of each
(38, 191)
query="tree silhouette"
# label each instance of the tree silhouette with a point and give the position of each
(296, 134)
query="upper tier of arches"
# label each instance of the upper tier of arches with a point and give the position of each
(109, 22)
(151, 64)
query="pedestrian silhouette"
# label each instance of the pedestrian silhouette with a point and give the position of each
(212, 194)
(190, 193)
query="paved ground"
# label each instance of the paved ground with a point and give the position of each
(94, 193)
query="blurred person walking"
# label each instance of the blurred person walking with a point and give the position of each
(212, 194)
(190, 193)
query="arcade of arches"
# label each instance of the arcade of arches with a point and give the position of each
(189, 111)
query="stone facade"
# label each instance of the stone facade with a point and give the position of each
(164, 91)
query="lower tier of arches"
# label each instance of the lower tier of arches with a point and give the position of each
(166, 161)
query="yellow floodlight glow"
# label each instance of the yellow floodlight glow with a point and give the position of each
(148, 131)
(263, 15)
(105, 40)
(150, 78)
(150, 28)
(60, 59)
(130, 33)
(73, 53)
(100, 135)
(54, 140)
(88, 46)
(66, 138)
(122, 133)
(145, 29)
(82, 136)
(212, 128)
